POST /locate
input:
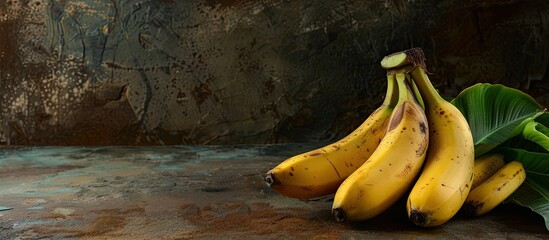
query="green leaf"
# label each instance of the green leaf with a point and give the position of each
(521, 143)
(543, 118)
(494, 112)
(535, 142)
(534, 192)
(534, 162)
(536, 132)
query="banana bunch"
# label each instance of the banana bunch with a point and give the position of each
(447, 175)
(415, 143)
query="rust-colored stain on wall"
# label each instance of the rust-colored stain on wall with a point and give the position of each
(136, 72)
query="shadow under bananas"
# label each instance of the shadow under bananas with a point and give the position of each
(501, 220)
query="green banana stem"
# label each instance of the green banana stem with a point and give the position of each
(403, 93)
(412, 56)
(416, 92)
(538, 133)
(428, 91)
(391, 96)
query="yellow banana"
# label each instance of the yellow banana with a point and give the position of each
(446, 179)
(320, 172)
(393, 166)
(495, 190)
(485, 167)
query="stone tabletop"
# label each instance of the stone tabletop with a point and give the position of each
(195, 192)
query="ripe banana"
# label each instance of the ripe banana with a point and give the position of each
(495, 190)
(393, 166)
(485, 167)
(320, 172)
(446, 179)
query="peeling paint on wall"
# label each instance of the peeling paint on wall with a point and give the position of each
(138, 72)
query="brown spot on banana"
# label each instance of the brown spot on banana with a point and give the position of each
(423, 128)
(407, 169)
(397, 116)
(502, 186)
(422, 146)
(471, 208)
(517, 172)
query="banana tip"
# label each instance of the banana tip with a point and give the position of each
(269, 179)
(418, 218)
(339, 214)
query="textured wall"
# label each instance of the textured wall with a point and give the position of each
(136, 72)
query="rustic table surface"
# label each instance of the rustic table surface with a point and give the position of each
(186, 192)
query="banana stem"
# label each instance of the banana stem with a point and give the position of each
(416, 92)
(402, 89)
(415, 58)
(412, 56)
(426, 88)
(392, 92)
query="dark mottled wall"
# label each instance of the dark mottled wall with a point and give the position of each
(136, 72)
